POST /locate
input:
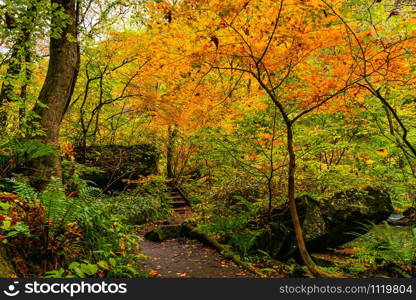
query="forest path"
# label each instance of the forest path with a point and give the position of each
(182, 257)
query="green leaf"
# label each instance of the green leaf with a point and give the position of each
(268, 270)
(112, 261)
(55, 273)
(4, 206)
(89, 269)
(79, 273)
(73, 265)
(6, 225)
(103, 265)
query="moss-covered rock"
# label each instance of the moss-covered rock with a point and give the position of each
(120, 165)
(165, 232)
(329, 223)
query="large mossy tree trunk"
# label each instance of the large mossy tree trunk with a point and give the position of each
(59, 85)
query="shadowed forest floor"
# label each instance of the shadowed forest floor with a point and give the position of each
(177, 258)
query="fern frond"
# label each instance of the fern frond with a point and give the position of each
(23, 190)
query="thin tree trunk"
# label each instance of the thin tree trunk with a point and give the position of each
(7, 93)
(20, 53)
(172, 132)
(271, 174)
(399, 142)
(315, 270)
(23, 90)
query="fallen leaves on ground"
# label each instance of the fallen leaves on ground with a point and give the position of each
(154, 273)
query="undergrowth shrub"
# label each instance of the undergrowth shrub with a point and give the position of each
(387, 250)
(148, 202)
(16, 154)
(237, 230)
(33, 243)
(50, 234)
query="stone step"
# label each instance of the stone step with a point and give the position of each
(172, 192)
(181, 210)
(181, 203)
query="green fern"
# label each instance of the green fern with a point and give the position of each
(23, 190)
(90, 191)
(58, 209)
(34, 149)
(25, 151)
(386, 243)
(53, 199)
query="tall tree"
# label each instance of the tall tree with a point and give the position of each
(21, 50)
(57, 90)
(297, 52)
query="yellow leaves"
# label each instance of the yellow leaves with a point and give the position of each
(370, 162)
(351, 251)
(154, 273)
(181, 86)
(382, 152)
(103, 265)
(122, 245)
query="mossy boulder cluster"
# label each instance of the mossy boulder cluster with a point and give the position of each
(326, 224)
(120, 165)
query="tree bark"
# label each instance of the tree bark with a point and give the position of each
(59, 85)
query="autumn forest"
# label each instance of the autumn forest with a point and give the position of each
(207, 138)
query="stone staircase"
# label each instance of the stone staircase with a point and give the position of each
(180, 204)
(172, 227)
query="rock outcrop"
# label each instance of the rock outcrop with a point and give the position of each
(119, 165)
(326, 224)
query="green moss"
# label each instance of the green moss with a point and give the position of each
(6, 268)
(163, 233)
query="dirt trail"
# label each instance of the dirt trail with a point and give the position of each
(182, 257)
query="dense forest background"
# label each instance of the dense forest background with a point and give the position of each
(286, 129)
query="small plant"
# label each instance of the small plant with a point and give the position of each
(19, 154)
(112, 267)
(52, 234)
(391, 249)
(149, 202)
(233, 231)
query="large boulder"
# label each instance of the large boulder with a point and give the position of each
(119, 165)
(326, 224)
